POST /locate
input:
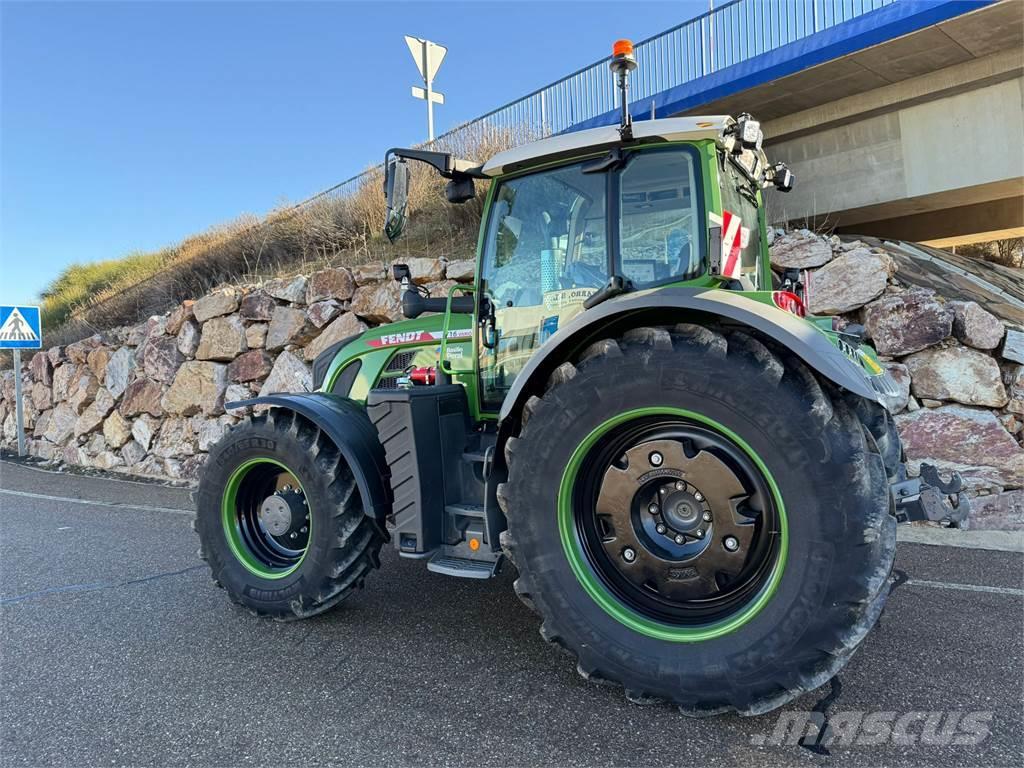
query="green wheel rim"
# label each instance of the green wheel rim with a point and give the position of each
(598, 591)
(233, 527)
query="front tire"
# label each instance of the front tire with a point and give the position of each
(779, 466)
(280, 519)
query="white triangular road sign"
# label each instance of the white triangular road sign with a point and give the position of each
(16, 329)
(427, 55)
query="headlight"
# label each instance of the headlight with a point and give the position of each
(750, 131)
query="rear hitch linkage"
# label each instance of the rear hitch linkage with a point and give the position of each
(925, 498)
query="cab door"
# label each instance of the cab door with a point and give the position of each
(544, 253)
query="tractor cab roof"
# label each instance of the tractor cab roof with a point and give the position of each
(567, 145)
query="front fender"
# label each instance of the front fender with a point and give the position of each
(346, 423)
(792, 332)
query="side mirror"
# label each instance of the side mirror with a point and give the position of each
(460, 190)
(396, 193)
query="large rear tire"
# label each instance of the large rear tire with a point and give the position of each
(699, 519)
(280, 519)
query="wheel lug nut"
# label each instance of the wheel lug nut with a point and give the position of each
(680, 485)
(293, 535)
(731, 543)
(653, 509)
(680, 539)
(656, 459)
(663, 490)
(660, 528)
(303, 529)
(628, 555)
(699, 533)
(698, 496)
(707, 517)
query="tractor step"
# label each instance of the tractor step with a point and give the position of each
(465, 510)
(462, 567)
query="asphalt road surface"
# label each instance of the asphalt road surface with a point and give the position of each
(118, 650)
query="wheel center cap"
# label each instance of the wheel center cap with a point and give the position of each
(276, 515)
(682, 511)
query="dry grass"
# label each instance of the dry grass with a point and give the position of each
(329, 230)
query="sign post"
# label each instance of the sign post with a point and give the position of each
(20, 329)
(428, 57)
(18, 409)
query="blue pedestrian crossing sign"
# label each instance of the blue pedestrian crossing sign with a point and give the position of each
(20, 328)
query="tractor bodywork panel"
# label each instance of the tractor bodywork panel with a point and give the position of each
(380, 356)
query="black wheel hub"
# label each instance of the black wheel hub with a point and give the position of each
(681, 510)
(676, 519)
(284, 513)
(273, 516)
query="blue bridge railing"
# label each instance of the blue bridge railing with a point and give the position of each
(733, 32)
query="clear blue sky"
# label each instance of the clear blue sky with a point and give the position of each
(128, 126)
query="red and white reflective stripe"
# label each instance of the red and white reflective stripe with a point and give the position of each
(731, 244)
(734, 236)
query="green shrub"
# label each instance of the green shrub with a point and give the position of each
(78, 283)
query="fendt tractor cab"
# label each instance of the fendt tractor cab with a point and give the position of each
(697, 484)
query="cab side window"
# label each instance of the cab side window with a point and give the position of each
(660, 236)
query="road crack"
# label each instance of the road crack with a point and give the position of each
(96, 586)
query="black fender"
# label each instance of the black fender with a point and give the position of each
(346, 423)
(671, 305)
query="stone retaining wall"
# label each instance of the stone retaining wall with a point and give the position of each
(960, 368)
(149, 400)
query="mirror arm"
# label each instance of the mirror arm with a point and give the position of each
(443, 162)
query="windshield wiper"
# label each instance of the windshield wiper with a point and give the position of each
(616, 285)
(612, 160)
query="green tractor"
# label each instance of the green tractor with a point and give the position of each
(697, 484)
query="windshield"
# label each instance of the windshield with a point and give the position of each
(546, 234)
